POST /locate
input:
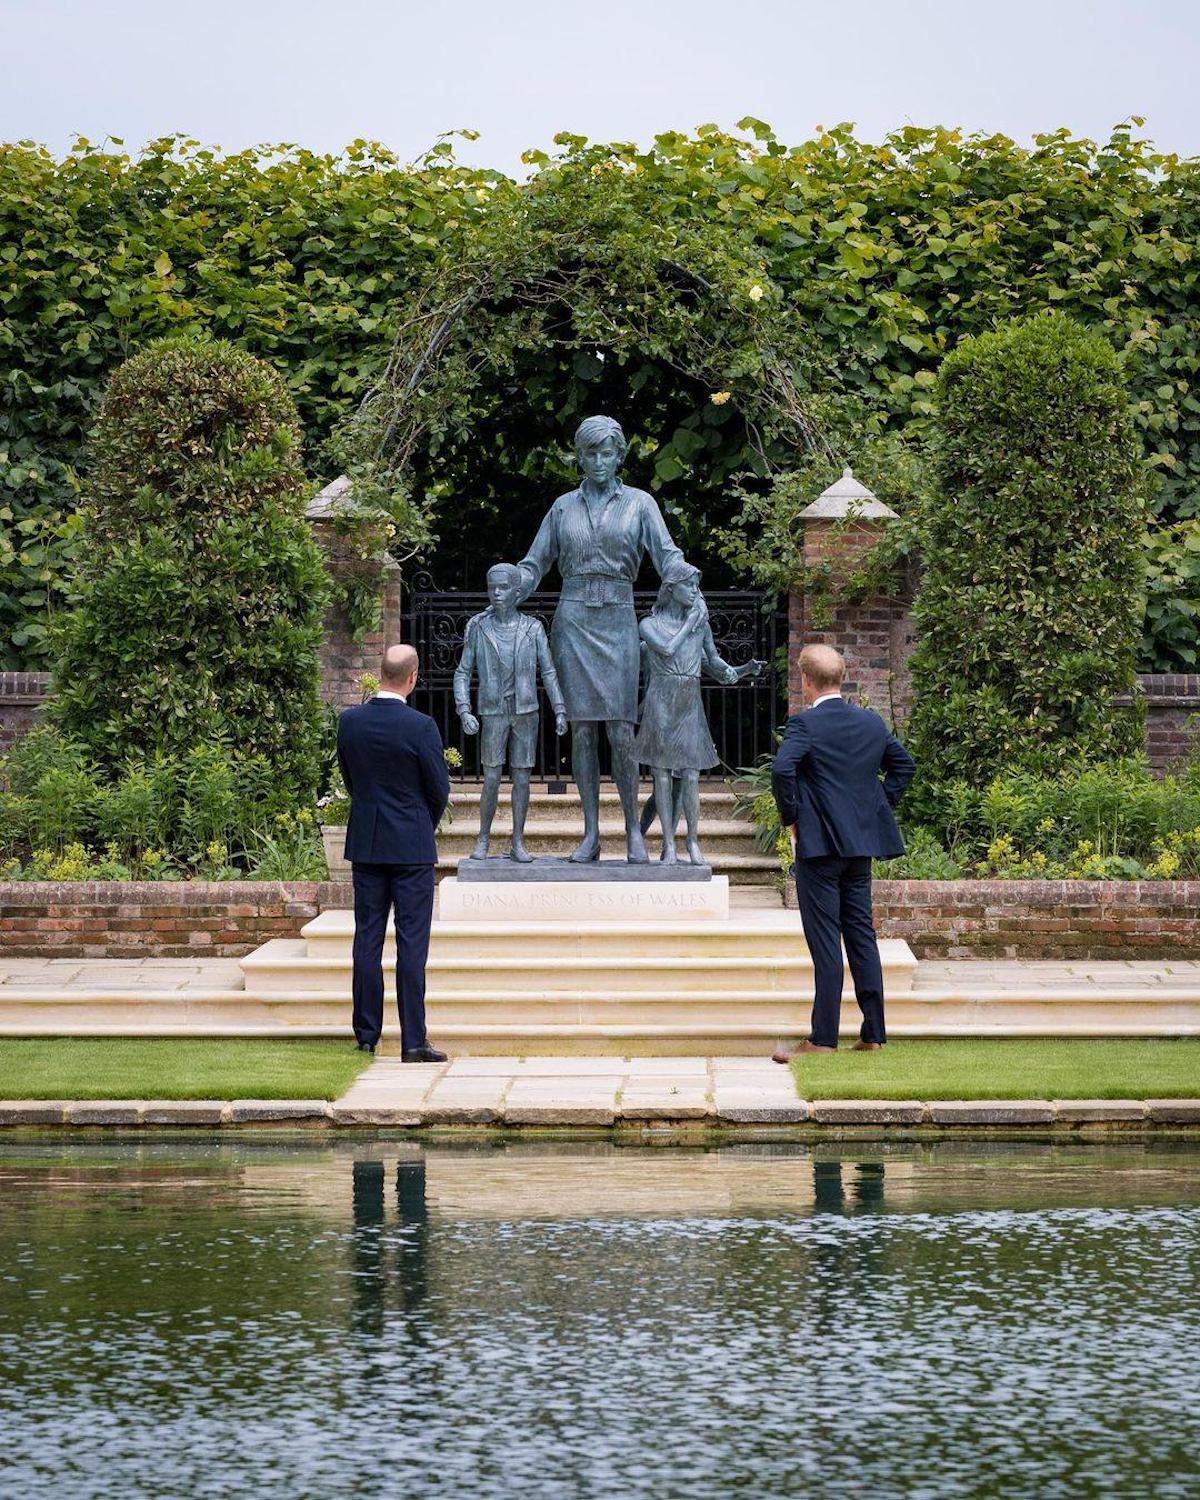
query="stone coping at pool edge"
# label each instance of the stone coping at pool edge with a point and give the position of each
(648, 1108)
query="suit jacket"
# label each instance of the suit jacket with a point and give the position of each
(826, 781)
(482, 654)
(395, 772)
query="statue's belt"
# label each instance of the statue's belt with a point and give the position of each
(597, 589)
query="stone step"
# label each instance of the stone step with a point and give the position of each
(730, 1023)
(526, 967)
(748, 933)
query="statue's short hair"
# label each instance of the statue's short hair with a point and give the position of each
(509, 571)
(592, 431)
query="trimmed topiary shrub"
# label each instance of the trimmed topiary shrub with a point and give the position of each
(198, 605)
(1030, 608)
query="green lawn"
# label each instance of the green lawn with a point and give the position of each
(1020, 1068)
(166, 1068)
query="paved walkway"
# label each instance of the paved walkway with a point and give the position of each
(636, 1093)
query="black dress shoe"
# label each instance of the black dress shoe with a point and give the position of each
(423, 1054)
(366, 1047)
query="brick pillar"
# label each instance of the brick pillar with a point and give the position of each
(343, 659)
(875, 635)
(21, 695)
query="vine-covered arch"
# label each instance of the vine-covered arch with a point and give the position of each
(573, 294)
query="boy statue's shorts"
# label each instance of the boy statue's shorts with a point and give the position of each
(516, 733)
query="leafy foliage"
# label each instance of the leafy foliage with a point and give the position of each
(1109, 822)
(1029, 607)
(888, 253)
(196, 811)
(568, 297)
(199, 599)
(1171, 630)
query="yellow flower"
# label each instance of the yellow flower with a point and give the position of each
(756, 293)
(719, 398)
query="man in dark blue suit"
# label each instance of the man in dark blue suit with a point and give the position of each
(395, 772)
(830, 798)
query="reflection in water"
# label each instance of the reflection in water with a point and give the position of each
(587, 1319)
(384, 1261)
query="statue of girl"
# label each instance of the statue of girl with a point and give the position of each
(673, 738)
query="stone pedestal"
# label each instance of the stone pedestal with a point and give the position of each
(584, 900)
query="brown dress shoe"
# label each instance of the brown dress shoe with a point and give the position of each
(868, 1047)
(782, 1055)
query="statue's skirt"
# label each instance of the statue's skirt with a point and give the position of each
(596, 654)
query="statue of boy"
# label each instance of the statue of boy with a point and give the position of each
(506, 649)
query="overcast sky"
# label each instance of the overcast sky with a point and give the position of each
(322, 72)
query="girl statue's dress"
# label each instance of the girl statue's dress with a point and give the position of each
(673, 738)
(673, 733)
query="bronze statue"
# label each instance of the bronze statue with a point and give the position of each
(598, 535)
(505, 650)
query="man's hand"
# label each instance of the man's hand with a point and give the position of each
(470, 723)
(792, 836)
(560, 725)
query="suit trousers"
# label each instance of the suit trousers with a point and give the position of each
(834, 892)
(406, 890)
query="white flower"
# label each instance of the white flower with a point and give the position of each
(719, 398)
(756, 293)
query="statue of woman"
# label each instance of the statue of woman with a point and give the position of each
(598, 535)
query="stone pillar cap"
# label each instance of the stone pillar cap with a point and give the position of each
(847, 497)
(331, 501)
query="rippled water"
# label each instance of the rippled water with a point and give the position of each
(579, 1320)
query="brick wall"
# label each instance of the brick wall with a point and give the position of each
(874, 635)
(21, 693)
(1171, 700)
(1042, 919)
(152, 919)
(1032, 919)
(343, 659)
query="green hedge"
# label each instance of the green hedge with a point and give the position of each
(893, 252)
(198, 604)
(1029, 608)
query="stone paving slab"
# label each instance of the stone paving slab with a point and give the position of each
(991, 1112)
(868, 1112)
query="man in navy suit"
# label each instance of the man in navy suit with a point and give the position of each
(826, 780)
(395, 772)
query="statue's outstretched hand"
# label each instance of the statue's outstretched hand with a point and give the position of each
(470, 723)
(560, 725)
(751, 669)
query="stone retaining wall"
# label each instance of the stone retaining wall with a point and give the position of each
(1029, 919)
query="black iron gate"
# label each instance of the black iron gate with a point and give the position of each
(742, 718)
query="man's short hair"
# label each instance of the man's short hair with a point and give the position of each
(592, 431)
(505, 570)
(823, 666)
(397, 666)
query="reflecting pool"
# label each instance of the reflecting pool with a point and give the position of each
(385, 1318)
